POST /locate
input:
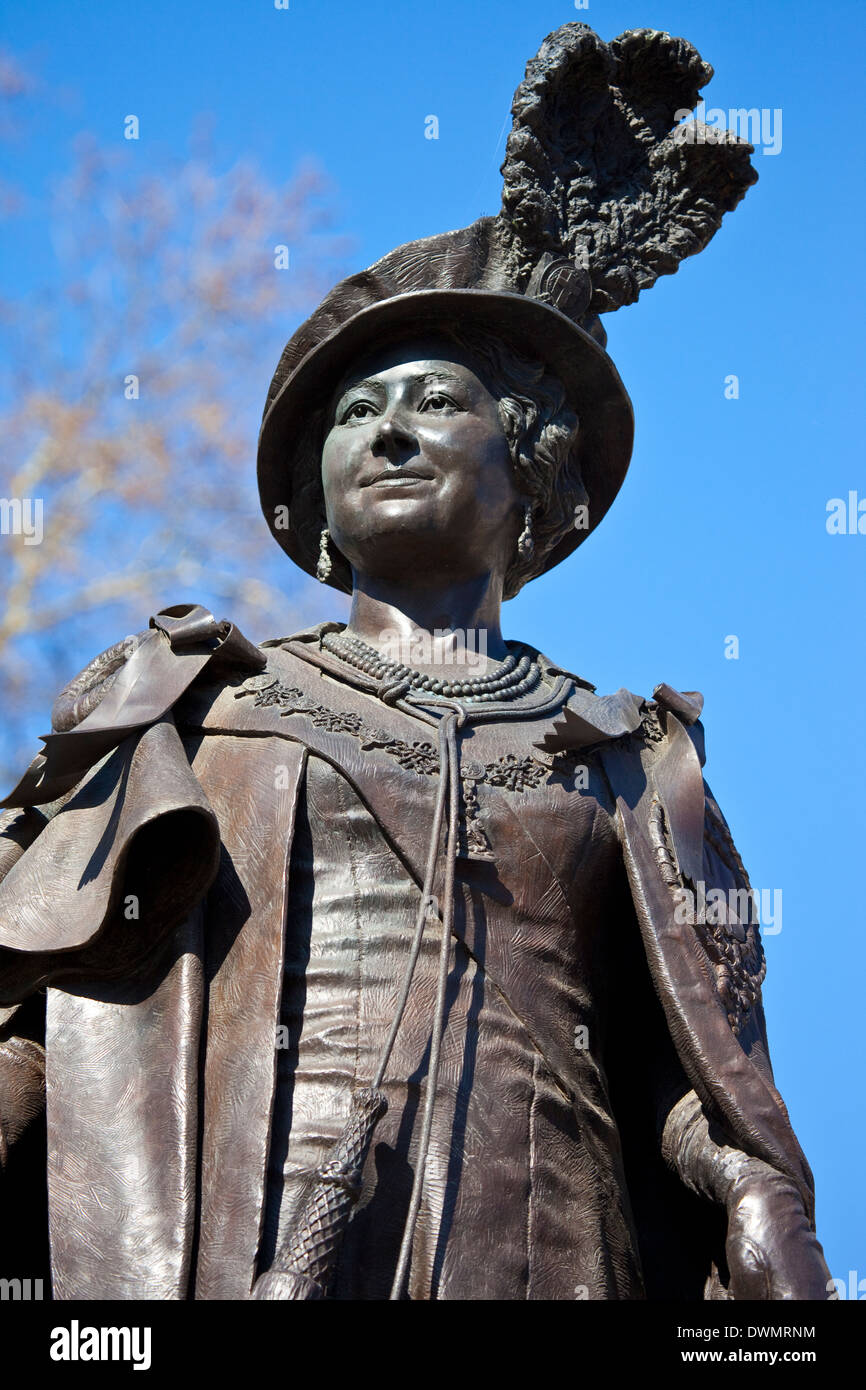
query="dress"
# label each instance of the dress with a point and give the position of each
(520, 1200)
(277, 871)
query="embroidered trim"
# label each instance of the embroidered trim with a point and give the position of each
(509, 772)
(513, 773)
(661, 847)
(741, 966)
(649, 730)
(418, 756)
(650, 725)
(290, 699)
(474, 843)
(733, 948)
(740, 971)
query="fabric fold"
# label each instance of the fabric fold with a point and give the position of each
(134, 849)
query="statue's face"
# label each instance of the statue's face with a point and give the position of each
(416, 469)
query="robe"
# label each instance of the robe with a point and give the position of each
(217, 912)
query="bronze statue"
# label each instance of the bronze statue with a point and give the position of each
(355, 961)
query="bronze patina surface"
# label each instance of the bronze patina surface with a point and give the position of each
(353, 965)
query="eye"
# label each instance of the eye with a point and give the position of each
(437, 400)
(358, 410)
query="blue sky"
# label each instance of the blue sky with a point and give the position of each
(720, 528)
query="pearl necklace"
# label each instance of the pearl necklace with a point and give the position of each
(514, 678)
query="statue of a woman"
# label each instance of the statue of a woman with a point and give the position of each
(373, 962)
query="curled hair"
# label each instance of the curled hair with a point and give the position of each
(541, 431)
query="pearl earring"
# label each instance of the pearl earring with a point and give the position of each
(323, 568)
(525, 543)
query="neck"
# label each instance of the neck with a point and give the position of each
(430, 628)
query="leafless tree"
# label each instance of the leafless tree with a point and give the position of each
(130, 406)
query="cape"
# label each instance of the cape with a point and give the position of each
(144, 865)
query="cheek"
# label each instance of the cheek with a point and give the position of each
(333, 459)
(337, 467)
(479, 444)
(492, 471)
(333, 481)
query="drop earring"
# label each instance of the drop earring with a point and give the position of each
(323, 568)
(525, 542)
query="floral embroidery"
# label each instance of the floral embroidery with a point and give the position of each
(334, 722)
(510, 772)
(516, 774)
(734, 949)
(474, 843)
(415, 757)
(268, 692)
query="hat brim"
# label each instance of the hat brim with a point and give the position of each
(292, 504)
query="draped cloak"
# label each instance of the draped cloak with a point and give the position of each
(215, 979)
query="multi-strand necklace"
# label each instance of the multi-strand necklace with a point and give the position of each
(515, 676)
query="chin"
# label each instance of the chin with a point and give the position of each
(401, 525)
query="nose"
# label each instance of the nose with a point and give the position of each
(393, 439)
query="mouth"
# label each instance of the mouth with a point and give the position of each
(402, 477)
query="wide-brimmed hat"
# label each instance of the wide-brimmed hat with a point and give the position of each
(289, 460)
(595, 207)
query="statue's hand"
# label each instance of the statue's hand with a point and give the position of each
(771, 1250)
